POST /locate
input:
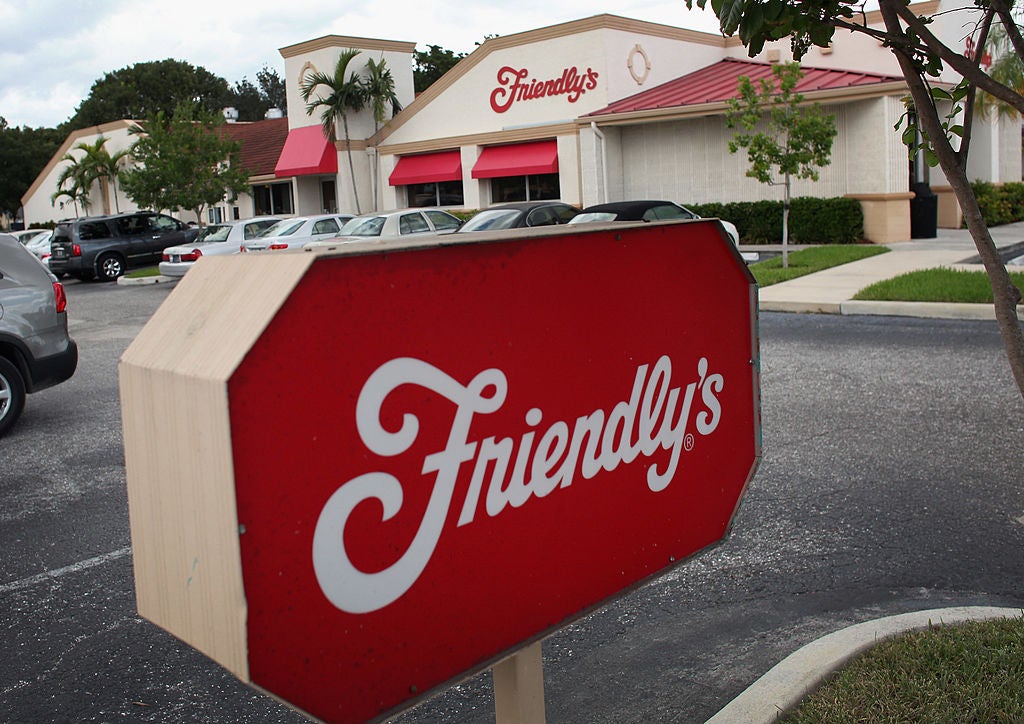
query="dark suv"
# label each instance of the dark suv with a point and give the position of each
(35, 349)
(106, 246)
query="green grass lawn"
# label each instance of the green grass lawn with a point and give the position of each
(971, 672)
(936, 285)
(149, 271)
(808, 261)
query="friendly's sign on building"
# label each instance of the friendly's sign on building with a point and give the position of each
(356, 477)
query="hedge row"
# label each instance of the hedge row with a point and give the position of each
(1002, 204)
(811, 220)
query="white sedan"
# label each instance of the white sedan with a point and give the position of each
(296, 232)
(213, 240)
(393, 224)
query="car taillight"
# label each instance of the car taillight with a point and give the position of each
(165, 257)
(242, 249)
(192, 256)
(76, 250)
(60, 297)
(278, 246)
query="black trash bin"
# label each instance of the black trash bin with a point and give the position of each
(924, 213)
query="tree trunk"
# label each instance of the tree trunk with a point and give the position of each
(785, 226)
(1005, 295)
(351, 167)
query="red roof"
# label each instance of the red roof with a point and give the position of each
(718, 82)
(262, 142)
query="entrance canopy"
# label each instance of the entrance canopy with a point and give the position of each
(307, 152)
(427, 168)
(519, 159)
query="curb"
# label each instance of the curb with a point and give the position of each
(800, 673)
(933, 310)
(145, 281)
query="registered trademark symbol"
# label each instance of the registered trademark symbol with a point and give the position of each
(688, 442)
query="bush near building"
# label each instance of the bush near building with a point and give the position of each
(1000, 204)
(811, 220)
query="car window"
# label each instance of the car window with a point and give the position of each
(93, 230)
(565, 214)
(325, 226)
(284, 228)
(541, 217)
(129, 226)
(491, 219)
(442, 221)
(163, 223)
(412, 224)
(592, 216)
(363, 226)
(218, 232)
(256, 228)
(667, 211)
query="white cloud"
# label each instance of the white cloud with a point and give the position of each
(53, 51)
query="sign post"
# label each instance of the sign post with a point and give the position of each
(354, 478)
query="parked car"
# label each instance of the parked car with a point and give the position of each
(27, 235)
(213, 240)
(35, 349)
(649, 210)
(107, 246)
(39, 245)
(513, 216)
(296, 232)
(393, 224)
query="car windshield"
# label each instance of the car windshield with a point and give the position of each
(218, 232)
(591, 216)
(284, 228)
(363, 226)
(492, 219)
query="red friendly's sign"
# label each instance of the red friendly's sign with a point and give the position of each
(440, 453)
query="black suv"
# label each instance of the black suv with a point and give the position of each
(106, 246)
(35, 349)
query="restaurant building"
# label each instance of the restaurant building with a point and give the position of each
(601, 109)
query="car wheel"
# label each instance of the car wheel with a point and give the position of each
(109, 267)
(12, 395)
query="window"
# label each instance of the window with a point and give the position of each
(442, 221)
(412, 224)
(540, 187)
(93, 230)
(272, 199)
(440, 193)
(164, 223)
(214, 215)
(325, 226)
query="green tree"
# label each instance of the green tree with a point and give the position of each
(100, 166)
(184, 162)
(272, 88)
(141, 90)
(792, 140)
(73, 183)
(921, 56)
(431, 64)
(343, 96)
(24, 152)
(379, 86)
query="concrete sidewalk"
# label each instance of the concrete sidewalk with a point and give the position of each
(831, 291)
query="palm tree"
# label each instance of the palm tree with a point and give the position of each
(380, 93)
(99, 165)
(343, 96)
(1007, 68)
(74, 182)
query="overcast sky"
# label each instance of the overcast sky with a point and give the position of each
(51, 51)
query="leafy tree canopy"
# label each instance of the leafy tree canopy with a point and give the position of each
(144, 89)
(184, 162)
(23, 154)
(252, 101)
(431, 64)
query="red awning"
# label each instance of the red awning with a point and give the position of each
(427, 168)
(306, 152)
(520, 159)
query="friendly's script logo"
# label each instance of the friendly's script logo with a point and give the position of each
(653, 418)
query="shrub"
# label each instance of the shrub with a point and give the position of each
(1002, 204)
(811, 220)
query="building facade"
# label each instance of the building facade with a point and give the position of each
(601, 109)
